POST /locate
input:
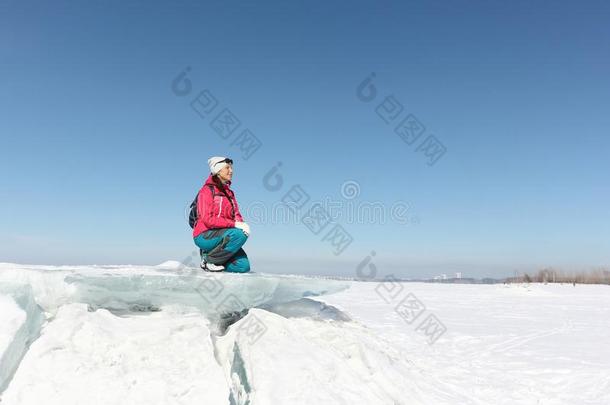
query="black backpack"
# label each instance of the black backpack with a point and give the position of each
(193, 214)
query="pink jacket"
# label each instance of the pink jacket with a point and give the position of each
(216, 207)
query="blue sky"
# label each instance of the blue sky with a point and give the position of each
(99, 157)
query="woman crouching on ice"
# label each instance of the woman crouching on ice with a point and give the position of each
(219, 228)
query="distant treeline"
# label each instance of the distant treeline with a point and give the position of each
(600, 276)
(461, 280)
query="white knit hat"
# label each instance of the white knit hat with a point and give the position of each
(216, 163)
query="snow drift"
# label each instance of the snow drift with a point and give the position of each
(171, 335)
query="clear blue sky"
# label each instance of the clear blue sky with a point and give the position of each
(99, 157)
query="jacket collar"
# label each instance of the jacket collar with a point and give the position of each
(218, 185)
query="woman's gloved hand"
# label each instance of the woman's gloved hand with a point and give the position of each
(244, 227)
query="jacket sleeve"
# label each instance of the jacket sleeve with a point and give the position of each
(205, 209)
(238, 216)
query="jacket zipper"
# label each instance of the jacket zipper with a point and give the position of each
(220, 210)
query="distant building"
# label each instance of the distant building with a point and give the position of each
(458, 274)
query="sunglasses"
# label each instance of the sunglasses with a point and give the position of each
(227, 160)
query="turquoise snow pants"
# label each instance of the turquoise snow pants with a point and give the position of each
(222, 246)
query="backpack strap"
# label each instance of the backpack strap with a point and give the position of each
(212, 189)
(194, 214)
(224, 192)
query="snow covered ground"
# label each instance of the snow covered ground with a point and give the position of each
(166, 335)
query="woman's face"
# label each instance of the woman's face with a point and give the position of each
(226, 173)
